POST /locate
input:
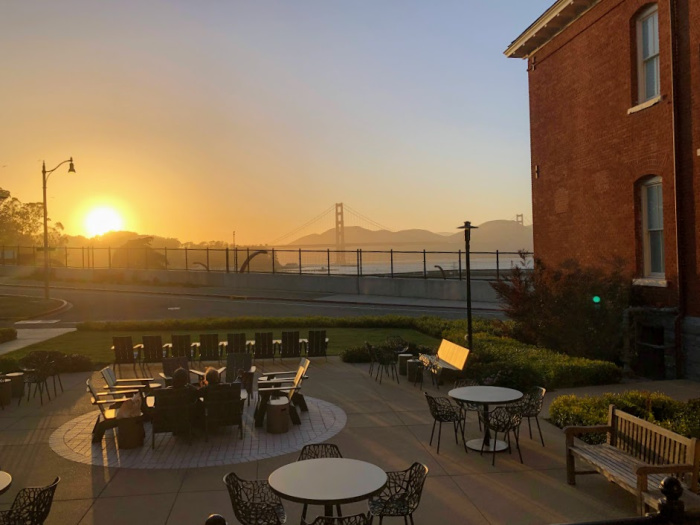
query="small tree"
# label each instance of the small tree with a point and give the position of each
(570, 308)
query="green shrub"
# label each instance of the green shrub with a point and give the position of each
(571, 410)
(554, 307)
(358, 354)
(64, 363)
(8, 364)
(7, 334)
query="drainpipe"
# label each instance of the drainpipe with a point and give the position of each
(673, 14)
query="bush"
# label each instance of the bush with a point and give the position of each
(554, 307)
(571, 410)
(360, 354)
(7, 334)
(8, 364)
(63, 363)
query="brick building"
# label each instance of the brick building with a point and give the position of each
(615, 144)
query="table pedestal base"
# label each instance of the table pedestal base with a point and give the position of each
(475, 444)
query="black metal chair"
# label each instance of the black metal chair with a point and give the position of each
(290, 347)
(317, 345)
(125, 353)
(529, 407)
(466, 406)
(386, 361)
(443, 411)
(401, 496)
(222, 407)
(31, 505)
(36, 377)
(264, 349)
(173, 411)
(253, 502)
(355, 519)
(316, 451)
(505, 421)
(372, 357)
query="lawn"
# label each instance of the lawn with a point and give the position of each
(13, 307)
(96, 345)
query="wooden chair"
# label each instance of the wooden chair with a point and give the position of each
(239, 367)
(264, 348)
(236, 343)
(138, 383)
(222, 407)
(108, 403)
(291, 346)
(208, 348)
(152, 350)
(170, 364)
(125, 353)
(180, 346)
(173, 411)
(318, 344)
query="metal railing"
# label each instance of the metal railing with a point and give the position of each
(385, 263)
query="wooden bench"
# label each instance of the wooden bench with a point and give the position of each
(450, 357)
(637, 456)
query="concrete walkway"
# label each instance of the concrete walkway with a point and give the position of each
(386, 424)
(30, 336)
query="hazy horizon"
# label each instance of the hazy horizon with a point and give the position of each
(196, 120)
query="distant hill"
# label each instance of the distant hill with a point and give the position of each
(490, 236)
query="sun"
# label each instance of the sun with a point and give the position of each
(102, 220)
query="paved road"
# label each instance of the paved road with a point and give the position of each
(97, 305)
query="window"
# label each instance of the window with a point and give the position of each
(648, 54)
(653, 228)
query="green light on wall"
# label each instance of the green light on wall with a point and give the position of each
(596, 299)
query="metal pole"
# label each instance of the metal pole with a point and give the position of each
(328, 260)
(273, 260)
(391, 252)
(425, 267)
(46, 233)
(467, 239)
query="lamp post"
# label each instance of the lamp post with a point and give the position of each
(467, 239)
(44, 179)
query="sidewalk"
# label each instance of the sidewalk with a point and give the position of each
(30, 336)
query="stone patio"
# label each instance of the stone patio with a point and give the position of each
(388, 425)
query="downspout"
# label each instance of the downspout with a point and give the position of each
(678, 335)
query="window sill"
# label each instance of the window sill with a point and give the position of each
(645, 105)
(654, 282)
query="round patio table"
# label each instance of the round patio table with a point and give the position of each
(485, 396)
(5, 481)
(327, 482)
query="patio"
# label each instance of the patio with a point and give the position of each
(388, 425)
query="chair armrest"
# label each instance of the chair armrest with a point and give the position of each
(278, 389)
(109, 401)
(142, 380)
(119, 392)
(138, 346)
(196, 344)
(163, 376)
(198, 373)
(274, 374)
(168, 345)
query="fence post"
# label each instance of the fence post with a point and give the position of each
(248, 259)
(235, 258)
(82, 250)
(273, 260)
(391, 252)
(207, 258)
(299, 261)
(498, 267)
(165, 254)
(459, 263)
(109, 257)
(328, 260)
(145, 257)
(34, 255)
(66, 248)
(186, 263)
(425, 266)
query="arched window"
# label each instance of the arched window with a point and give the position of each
(653, 228)
(648, 78)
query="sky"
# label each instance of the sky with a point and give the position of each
(197, 119)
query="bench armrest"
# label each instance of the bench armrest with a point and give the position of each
(644, 471)
(572, 432)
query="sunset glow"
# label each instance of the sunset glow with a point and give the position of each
(102, 220)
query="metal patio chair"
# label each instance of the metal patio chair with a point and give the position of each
(253, 502)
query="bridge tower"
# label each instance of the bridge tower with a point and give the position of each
(519, 219)
(339, 233)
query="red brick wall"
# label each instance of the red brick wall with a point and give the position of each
(590, 154)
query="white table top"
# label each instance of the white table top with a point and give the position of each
(328, 481)
(5, 481)
(485, 394)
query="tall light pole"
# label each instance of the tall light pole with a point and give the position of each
(44, 179)
(467, 239)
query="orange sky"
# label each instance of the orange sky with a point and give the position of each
(197, 119)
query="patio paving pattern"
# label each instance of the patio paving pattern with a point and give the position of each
(73, 441)
(388, 425)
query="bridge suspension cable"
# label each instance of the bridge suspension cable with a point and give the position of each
(366, 219)
(320, 216)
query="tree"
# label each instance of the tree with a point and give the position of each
(22, 224)
(138, 253)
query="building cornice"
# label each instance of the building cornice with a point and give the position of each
(551, 23)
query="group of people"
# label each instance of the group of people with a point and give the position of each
(181, 380)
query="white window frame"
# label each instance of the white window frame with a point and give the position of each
(652, 60)
(646, 231)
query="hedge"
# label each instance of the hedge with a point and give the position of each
(7, 334)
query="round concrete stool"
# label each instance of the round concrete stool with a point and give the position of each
(130, 432)
(414, 369)
(278, 415)
(17, 379)
(5, 391)
(402, 363)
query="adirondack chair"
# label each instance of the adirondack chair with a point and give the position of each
(125, 353)
(236, 343)
(318, 344)
(152, 350)
(108, 403)
(291, 346)
(208, 348)
(264, 348)
(180, 346)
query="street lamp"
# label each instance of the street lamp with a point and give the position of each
(467, 238)
(44, 179)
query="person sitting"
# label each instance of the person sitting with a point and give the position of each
(181, 381)
(211, 379)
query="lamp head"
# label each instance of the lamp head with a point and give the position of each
(71, 167)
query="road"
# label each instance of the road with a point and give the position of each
(101, 305)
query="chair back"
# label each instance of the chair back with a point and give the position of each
(172, 409)
(263, 345)
(235, 363)
(501, 419)
(170, 364)
(222, 404)
(317, 343)
(253, 502)
(531, 403)
(93, 396)
(442, 409)
(32, 504)
(109, 377)
(415, 480)
(209, 347)
(181, 346)
(291, 347)
(355, 519)
(237, 343)
(123, 350)
(319, 450)
(152, 349)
